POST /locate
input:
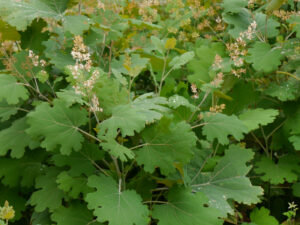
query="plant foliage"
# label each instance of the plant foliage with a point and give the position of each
(139, 112)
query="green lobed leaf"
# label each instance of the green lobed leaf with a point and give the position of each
(21, 14)
(252, 118)
(70, 97)
(284, 170)
(40, 218)
(15, 139)
(73, 186)
(296, 189)
(79, 163)
(76, 24)
(11, 90)
(47, 122)
(294, 20)
(117, 150)
(263, 57)
(176, 101)
(166, 143)
(48, 196)
(219, 126)
(295, 139)
(76, 213)
(181, 60)
(114, 205)
(234, 6)
(285, 91)
(21, 172)
(186, 208)
(134, 116)
(272, 25)
(261, 217)
(6, 110)
(229, 181)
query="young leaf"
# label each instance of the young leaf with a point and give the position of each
(73, 186)
(11, 90)
(229, 181)
(285, 170)
(15, 139)
(113, 205)
(133, 116)
(116, 149)
(264, 58)
(220, 126)
(165, 144)
(58, 125)
(186, 208)
(255, 117)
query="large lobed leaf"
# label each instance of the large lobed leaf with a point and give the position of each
(229, 181)
(166, 143)
(277, 173)
(20, 13)
(114, 205)
(186, 208)
(11, 90)
(134, 116)
(219, 126)
(15, 139)
(58, 125)
(252, 118)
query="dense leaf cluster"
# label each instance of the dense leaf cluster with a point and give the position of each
(136, 112)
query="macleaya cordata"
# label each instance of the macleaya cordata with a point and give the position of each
(154, 112)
